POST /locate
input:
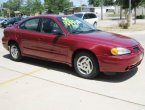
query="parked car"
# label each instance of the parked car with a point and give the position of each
(10, 21)
(73, 41)
(90, 17)
(2, 20)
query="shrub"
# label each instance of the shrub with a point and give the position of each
(123, 25)
(140, 17)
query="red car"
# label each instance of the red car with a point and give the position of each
(70, 40)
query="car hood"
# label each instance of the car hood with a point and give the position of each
(108, 38)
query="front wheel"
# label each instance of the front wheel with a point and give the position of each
(86, 65)
(15, 52)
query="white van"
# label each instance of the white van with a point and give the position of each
(90, 17)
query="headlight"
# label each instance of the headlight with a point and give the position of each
(120, 51)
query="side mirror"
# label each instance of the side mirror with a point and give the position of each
(57, 31)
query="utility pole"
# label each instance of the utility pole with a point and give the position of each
(129, 15)
(102, 2)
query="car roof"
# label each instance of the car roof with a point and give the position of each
(47, 15)
(84, 13)
(51, 15)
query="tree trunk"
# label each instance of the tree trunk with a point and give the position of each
(102, 2)
(143, 10)
(126, 13)
(135, 15)
(129, 14)
(120, 12)
(128, 17)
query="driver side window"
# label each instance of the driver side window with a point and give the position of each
(48, 25)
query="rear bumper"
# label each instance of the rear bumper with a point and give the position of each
(120, 63)
(5, 43)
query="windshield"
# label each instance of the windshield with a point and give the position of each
(78, 15)
(76, 25)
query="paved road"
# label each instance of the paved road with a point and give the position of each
(39, 85)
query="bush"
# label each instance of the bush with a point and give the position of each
(140, 17)
(123, 25)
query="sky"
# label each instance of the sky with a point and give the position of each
(76, 2)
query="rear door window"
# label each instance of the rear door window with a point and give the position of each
(31, 24)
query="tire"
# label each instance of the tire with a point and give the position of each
(15, 52)
(86, 65)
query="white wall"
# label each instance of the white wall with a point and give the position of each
(139, 10)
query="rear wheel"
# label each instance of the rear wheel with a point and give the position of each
(15, 52)
(86, 65)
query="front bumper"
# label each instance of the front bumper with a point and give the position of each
(120, 63)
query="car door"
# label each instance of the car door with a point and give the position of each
(52, 46)
(29, 35)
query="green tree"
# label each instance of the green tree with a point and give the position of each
(37, 6)
(13, 5)
(56, 5)
(31, 7)
(98, 2)
(95, 2)
(108, 2)
(124, 4)
(10, 6)
(25, 6)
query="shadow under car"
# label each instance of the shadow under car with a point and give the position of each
(109, 77)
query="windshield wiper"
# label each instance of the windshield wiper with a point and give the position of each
(92, 30)
(77, 32)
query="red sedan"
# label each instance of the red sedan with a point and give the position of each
(70, 40)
